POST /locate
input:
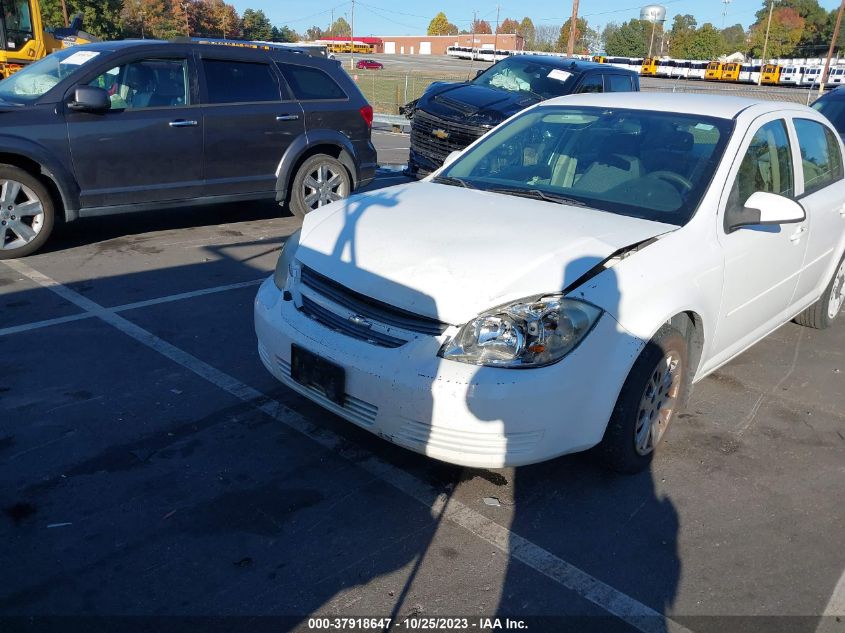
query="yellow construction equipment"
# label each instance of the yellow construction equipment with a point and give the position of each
(24, 40)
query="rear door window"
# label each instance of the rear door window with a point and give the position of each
(239, 82)
(618, 83)
(592, 83)
(311, 84)
(820, 156)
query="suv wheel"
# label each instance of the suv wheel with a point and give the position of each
(320, 180)
(26, 214)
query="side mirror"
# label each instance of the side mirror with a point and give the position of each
(451, 158)
(89, 99)
(479, 71)
(763, 208)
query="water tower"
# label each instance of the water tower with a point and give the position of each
(655, 14)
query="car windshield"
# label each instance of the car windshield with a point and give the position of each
(650, 165)
(834, 109)
(520, 74)
(32, 82)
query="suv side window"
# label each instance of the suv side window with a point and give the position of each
(592, 83)
(618, 83)
(766, 166)
(311, 84)
(821, 160)
(239, 82)
(146, 83)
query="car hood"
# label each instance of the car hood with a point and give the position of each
(451, 253)
(468, 102)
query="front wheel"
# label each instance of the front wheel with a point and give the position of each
(320, 180)
(26, 213)
(823, 312)
(655, 389)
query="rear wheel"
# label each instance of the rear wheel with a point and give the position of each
(320, 180)
(26, 213)
(823, 312)
(655, 389)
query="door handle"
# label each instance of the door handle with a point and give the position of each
(288, 117)
(796, 237)
(182, 123)
(842, 210)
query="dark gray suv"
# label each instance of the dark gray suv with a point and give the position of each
(127, 126)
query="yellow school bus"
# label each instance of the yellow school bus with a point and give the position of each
(714, 71)
(649, 67)
(730, 72)
(599, 59)
(771, 74)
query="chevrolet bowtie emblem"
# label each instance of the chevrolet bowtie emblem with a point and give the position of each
(440, 133)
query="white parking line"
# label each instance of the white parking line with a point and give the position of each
(836, 606)
(565, 574)
(35, 325)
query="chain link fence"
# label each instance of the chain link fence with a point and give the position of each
(386, 92)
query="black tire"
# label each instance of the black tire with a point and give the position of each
(821, 314)
(10, 220)
(618, 449)
(299, 203)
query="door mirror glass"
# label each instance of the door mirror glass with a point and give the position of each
(764, 208)
(479, 71)
(89, 99)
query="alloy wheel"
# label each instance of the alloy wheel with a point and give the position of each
(837, 293)
(658, 403)
(323, 185)
(21, 215)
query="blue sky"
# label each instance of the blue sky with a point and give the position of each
(411, 17)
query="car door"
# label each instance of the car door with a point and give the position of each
(762, 263)
(249, 120)
(822, 194)
(148, 147)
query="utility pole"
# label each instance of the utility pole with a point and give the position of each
(573, 24)
(352, 37)
(496, 36)
(766, 41)
(472, 39)
(832, 45)
(185, 7)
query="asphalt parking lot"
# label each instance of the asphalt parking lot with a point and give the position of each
(149, 465)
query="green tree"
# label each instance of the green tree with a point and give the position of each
(735, 38)
(440, 25)
(283, 34)
(315, 33)
(812, 39)
(526, 30)
(705, 43)
(340, 28)
(150, 18)
(682, 31)
(630, 39)
(785, 33)
(585, 37)
(256, 25)
(99, 17)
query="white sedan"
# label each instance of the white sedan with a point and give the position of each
(563, 281)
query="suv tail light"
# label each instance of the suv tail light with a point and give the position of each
(367, 113)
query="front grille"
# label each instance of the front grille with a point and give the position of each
(344, 326)
(370, 309)
(425, 143)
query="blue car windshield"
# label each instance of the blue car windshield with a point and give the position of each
(651, 165)
(34, 81)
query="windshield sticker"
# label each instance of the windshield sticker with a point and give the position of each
(560, 75)
(80, 57)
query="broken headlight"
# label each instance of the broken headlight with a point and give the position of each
(280, 276)
(528, 333)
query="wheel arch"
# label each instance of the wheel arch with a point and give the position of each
(327, 142)
(691, 325)
(64, 206)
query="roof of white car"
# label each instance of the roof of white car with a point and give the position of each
(704, 104)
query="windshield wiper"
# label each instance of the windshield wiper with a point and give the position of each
(452, 180)
(538, 194)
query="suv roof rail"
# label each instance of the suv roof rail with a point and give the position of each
(267, 46)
